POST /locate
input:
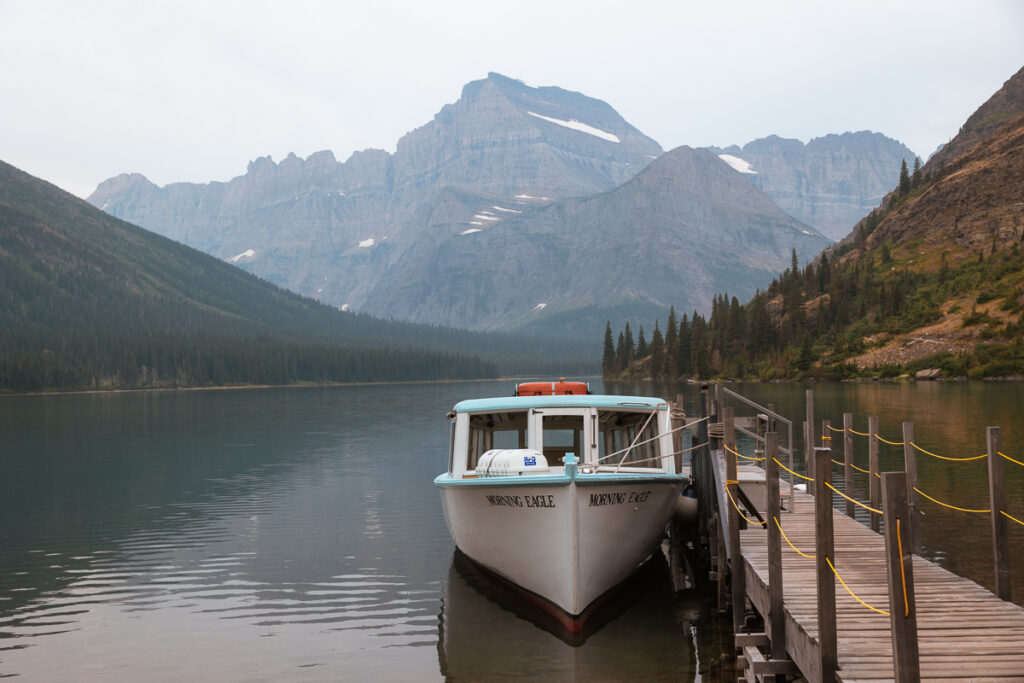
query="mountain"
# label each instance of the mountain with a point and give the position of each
(831, 182)
(88, 300)
(330, 230)
(676, 234)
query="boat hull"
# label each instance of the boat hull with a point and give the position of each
(568, 540)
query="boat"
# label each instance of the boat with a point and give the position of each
(561, 492)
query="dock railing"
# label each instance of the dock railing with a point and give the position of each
(894, 500)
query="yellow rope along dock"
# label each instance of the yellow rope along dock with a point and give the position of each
(859, 469)
(1011, 459)
(854, 500)
(852, 594)
(737, 453)
(947, 505)
(797, 474)
(891, 443)
(732, 500)
(854, 431)
(1007, 514)
(943, 457)
(798, 551)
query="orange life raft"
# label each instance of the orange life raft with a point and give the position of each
(559, 388)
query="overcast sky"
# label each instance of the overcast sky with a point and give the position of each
(192, 91)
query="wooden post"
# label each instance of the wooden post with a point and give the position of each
(723, 596)
(824, 545)
(737, 579)
(997, 502)
(809, 434)
(900, 572)
(874, 482)
(776, 615)
(910, 464)
(826, 441)
(851, 508)
(677, 436)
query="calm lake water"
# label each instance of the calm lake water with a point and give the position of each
(296, 534)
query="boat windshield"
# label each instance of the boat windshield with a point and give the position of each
(495, 430)
(629, 438)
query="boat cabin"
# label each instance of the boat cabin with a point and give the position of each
(604, 434)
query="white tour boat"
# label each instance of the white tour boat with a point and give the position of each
(564, 494)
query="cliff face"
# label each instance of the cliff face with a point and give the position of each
(683, 230)
(831, 182)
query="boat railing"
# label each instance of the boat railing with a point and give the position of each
(625, 451)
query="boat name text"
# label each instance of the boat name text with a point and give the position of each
(540, 501)
(619, 498)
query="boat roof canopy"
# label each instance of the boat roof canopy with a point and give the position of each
(480, 405)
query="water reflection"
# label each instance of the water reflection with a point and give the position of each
(488, 631)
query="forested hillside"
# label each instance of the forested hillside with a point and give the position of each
(930, 282)
(89, 301)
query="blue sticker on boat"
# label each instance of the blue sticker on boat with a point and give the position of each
(529, 460)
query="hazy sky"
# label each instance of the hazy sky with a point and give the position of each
(192, 91)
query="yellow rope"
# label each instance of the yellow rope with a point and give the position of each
(838, 431)
(951, 507)
(942, 457)
(799, 552)
(791, 471)
(826, 438)
(903, 573)
(873, 609)
(745, 457)
(853, 500)
(729, 493)
(1007, 514)
(891, 443)
(1011, 459)
(858, 433)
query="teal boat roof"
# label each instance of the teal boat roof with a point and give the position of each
(479, 405)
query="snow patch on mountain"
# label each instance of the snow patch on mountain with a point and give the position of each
(741, 165)
(580, 126)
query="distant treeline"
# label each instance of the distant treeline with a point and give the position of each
(813, 322)
(85, 361)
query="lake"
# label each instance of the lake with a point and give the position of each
(296, 534)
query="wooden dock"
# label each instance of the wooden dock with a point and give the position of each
(839, 600)
(965, 633)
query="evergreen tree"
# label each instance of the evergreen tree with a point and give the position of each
(915, 178)
(657, 351)
(630, 351)
(904, 179)
(608, 359)
(683, 367)
(641, 345)
(621, 358)
(670, 368)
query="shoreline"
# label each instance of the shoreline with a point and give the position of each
(241, 387)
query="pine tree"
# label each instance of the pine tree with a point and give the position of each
(657, 351)
(904, 179)
(621, 357)
(915, 178)
(671, 342)
(608, 359)
(641, 345)
(630, 351)
(683, 349)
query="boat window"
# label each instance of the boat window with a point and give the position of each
(618, 429)
(562, 434)
(495, 430)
